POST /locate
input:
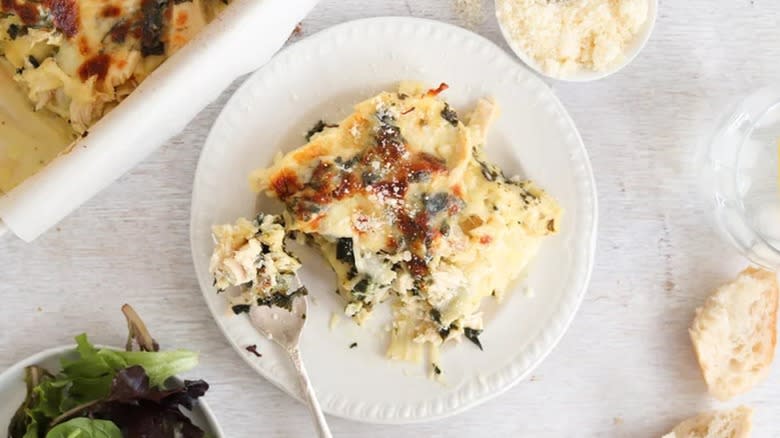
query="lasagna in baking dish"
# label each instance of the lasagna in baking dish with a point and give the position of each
(402, 202)
(77, 59)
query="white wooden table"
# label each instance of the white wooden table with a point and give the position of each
(624, 369)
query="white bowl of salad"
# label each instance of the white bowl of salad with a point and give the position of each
(89, 391)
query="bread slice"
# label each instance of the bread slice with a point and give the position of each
(734, 333)
(736, 423)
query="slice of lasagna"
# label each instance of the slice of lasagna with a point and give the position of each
(403, 204)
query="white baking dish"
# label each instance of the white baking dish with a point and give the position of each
(240, 40)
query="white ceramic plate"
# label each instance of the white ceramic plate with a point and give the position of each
(13, 390)
(321, 78)
(631, 51)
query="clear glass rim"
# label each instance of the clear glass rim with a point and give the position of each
(756, 117)
(735, 126)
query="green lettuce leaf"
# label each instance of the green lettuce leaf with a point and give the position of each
(85, 428)
(159, 366)
(44, 395)
(93, 371)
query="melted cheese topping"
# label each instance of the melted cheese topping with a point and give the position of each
(402, 203)
(78, 58)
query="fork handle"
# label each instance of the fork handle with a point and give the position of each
(323, 431)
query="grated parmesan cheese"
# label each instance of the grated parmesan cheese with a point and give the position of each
(566, 36)
(355, 131)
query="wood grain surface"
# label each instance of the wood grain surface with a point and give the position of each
(624, 369)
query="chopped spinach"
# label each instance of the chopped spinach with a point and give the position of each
(420, 176)
(282, 300)
(385, 117)
(14, 31)
(305, 208)
(362, 286)
(345, 250)
(317, 128)
(436, 315)
(34, 62)
(258, 221)
(473, 336)
(489, 171)
(449, 115)
(153, 12)
(436, 202)
(348, 164)
(436, 369)
(352, 273)
(353, 345)
(352, 161)
(369, 178)
(240, 308)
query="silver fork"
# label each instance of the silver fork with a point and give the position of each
(284, 327)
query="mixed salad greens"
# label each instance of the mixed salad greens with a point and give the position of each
(103, 393)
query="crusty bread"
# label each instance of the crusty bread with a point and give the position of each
(734, 333)
(717, 424)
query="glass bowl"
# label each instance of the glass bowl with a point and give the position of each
(741, 179)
